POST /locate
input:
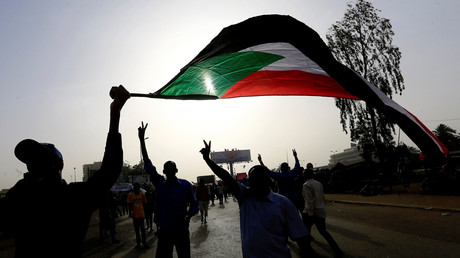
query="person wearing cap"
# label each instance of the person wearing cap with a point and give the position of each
(60, 212)
(175, 205)
(267, 219)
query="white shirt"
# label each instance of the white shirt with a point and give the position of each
(313, 195)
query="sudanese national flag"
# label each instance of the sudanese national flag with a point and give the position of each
(279, 55)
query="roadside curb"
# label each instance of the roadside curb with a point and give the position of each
(395, 205)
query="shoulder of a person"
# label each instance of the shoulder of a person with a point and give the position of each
(184, 181)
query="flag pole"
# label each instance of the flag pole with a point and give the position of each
(187, 97)
(146, 95)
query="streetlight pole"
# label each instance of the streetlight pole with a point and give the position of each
(74, 175)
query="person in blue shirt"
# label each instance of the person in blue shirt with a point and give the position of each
(267, 219)
(286, 178)
(175, 205)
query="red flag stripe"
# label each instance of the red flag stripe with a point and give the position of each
(287, 83)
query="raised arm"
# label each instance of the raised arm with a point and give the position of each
(297, 163)
(112, 162)
(260, 160)
(220, 172)
(141, 134)
(294, 153)
(119, 95)
(148, 166)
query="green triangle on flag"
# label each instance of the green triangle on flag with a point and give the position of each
(216, 75)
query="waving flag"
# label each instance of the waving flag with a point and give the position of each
(278, 55)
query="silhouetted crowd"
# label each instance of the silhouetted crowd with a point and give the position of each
(274, 205)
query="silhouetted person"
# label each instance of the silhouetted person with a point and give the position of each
(267, 219)
(299, 180)
(203, 200)
(285, 178)
(137, 200)
(213, 193)
(403, 173)
(122, 202)
(220, 194)
(315, 209)
(148, 208)
(61, 212)
(175, 204)
(107, 215)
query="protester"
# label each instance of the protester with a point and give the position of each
(136, 201)
(107, 215)
(148, 208)
(286, 178)
(174, 207)
(315, 208)
(403, 172)
(267, 219)
(220, 194)
(299, 180)
(213, 191)
(202, 195)
(122, 201)
(61, 212)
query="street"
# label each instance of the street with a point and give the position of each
(375, 231)
(360, 230)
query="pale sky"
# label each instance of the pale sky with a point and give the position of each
(58, 60)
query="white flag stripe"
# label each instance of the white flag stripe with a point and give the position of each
(293, 58)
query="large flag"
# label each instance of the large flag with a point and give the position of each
(279, 55)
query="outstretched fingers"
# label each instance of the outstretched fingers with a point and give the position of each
(207, 148)
(141, 130)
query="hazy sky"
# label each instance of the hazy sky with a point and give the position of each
(58, 60)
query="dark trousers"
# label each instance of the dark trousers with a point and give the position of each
(320, 224)
(221, 199)
(140, 230)
(168, 239)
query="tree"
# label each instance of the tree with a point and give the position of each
(363, 42)
(128, 172)
(448, 136)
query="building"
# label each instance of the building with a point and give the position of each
(90, 169)
(348, 157)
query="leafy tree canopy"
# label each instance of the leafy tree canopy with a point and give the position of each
(362, 41)
(448, 136)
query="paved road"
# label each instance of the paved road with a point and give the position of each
(375, 231)
(220, 237)
(360, 230)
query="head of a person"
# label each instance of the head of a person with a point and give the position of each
(308, 174)
(170, 169)
(310, 166)
(43, 160)
(137, 187)
(299, 172)
(259, 179)
(284, 167)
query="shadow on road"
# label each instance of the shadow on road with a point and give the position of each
(199, 236)
(353, 235)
